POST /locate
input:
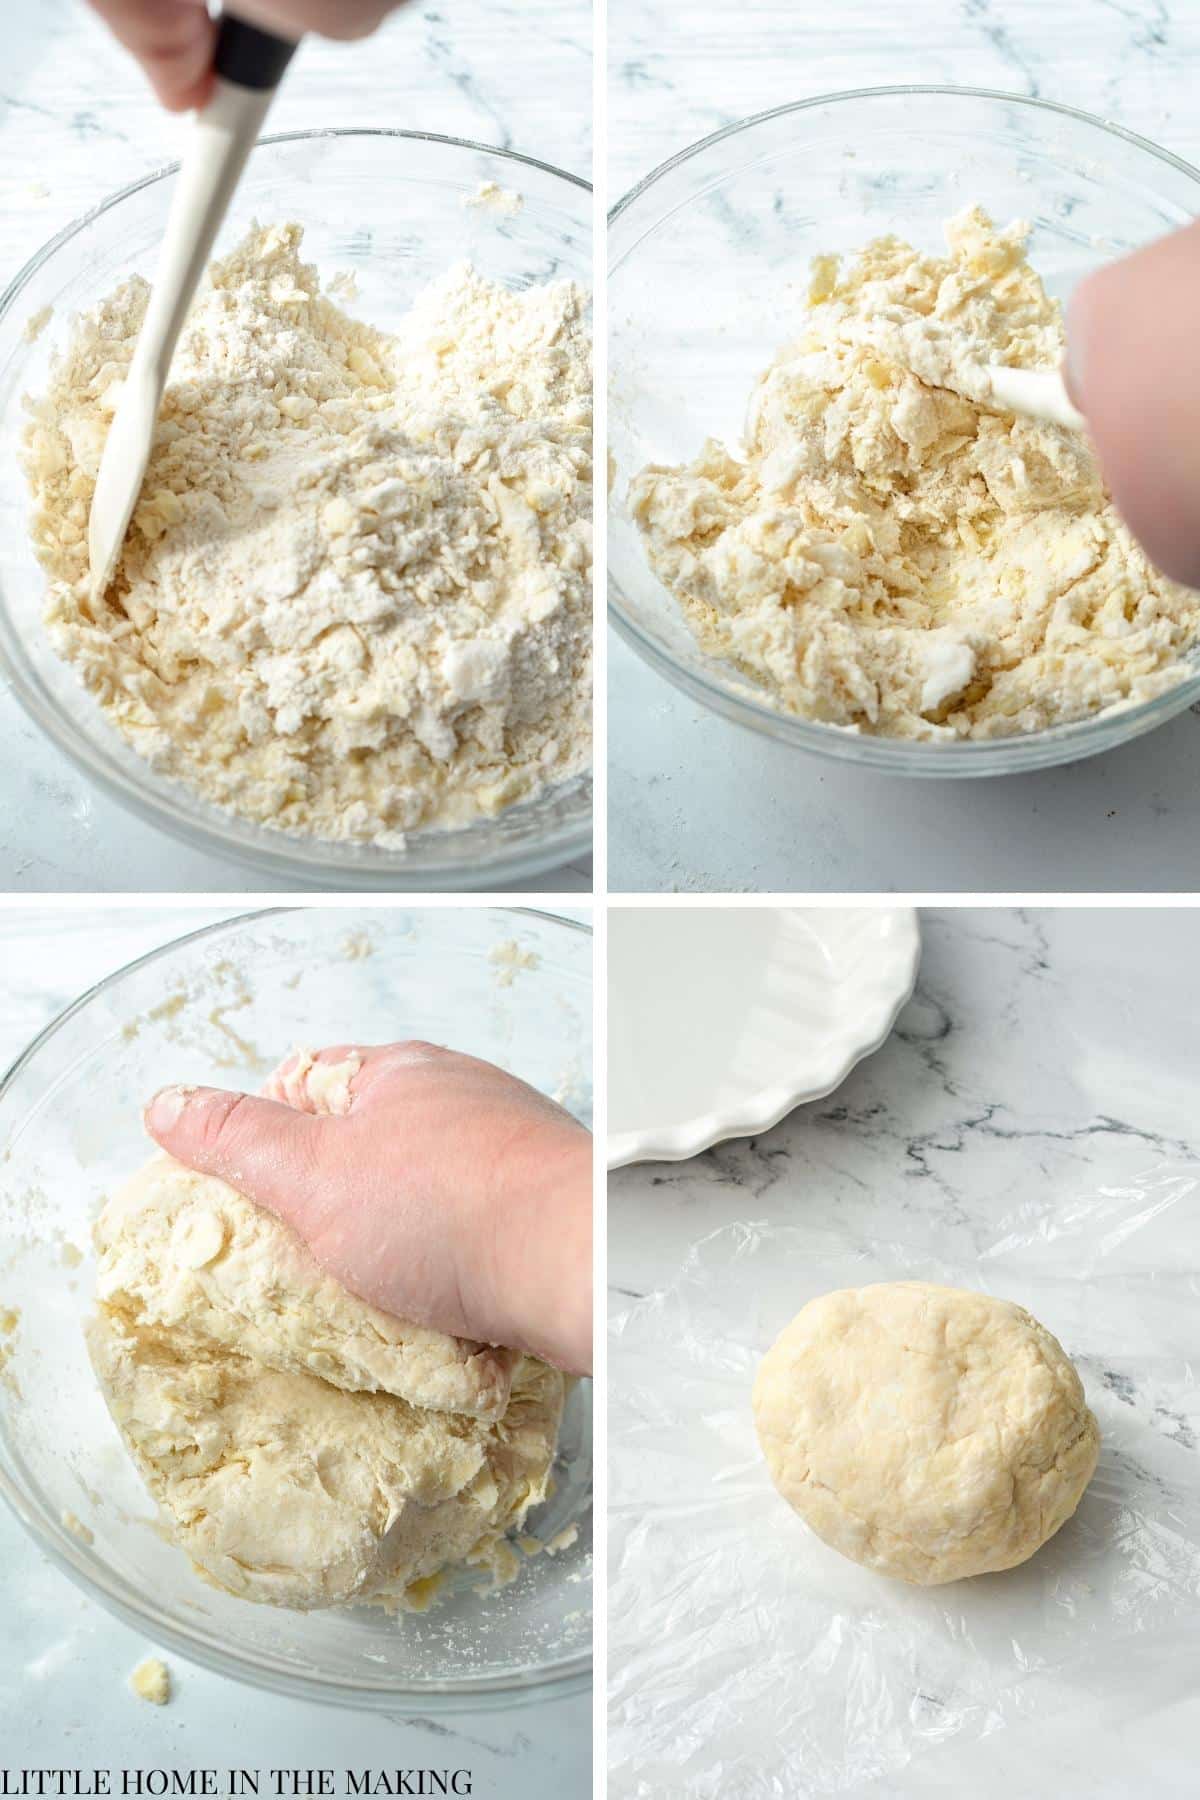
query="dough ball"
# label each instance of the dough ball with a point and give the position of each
(928, 1432)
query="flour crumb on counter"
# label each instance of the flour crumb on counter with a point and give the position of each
(151, 1681)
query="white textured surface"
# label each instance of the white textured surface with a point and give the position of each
(793, 997)
(1044, 1055)
(63, 1660)
(77, 121)
(698, 804)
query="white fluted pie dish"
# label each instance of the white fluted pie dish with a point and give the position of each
(722, 1019)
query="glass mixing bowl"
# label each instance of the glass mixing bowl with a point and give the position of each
(708, 270)
(388, 206)
(221, 1006)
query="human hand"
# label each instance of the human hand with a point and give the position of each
(1133, 371)
(174, 40)
(434, 1186)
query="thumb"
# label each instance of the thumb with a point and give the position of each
(266, 1150)
(1132, 369)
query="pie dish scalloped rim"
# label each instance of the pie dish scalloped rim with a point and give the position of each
(871, 1003)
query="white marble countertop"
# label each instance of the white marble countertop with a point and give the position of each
(63, 1659)
(77, 121)
(1043, 1055)
(696, 803)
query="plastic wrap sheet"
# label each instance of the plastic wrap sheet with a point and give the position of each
(748, 1659)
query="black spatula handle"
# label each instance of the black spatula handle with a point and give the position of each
(249, 57)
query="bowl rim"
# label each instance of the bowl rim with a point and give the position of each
(1020, 754)
(74, 226)
(894, 91)
(314, 861)
(479, 1694)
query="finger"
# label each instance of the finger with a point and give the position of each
(1132, 368)
(320, 1082)
(173, 40)
(267, 1151)
(345, 20)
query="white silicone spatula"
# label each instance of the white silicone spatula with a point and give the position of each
(249, 65)
(1035, 394)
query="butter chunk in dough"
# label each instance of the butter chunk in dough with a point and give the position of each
(928, 1432)
(285, 1489)
(189, 1254)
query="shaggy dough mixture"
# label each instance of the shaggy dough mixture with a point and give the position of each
(355, 597)
(305, 1449)
(931, 1433)
(890, 552)
(190, 1255)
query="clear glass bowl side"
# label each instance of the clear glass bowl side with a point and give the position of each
(708, 272)
(391, 208)
(222, 1006)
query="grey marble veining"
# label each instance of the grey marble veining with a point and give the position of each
(1043, 1053)
(699, 805)
(1031, 1122)
(77, 122)
(675, 74)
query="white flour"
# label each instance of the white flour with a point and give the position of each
(355, 597)
(891, 552)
